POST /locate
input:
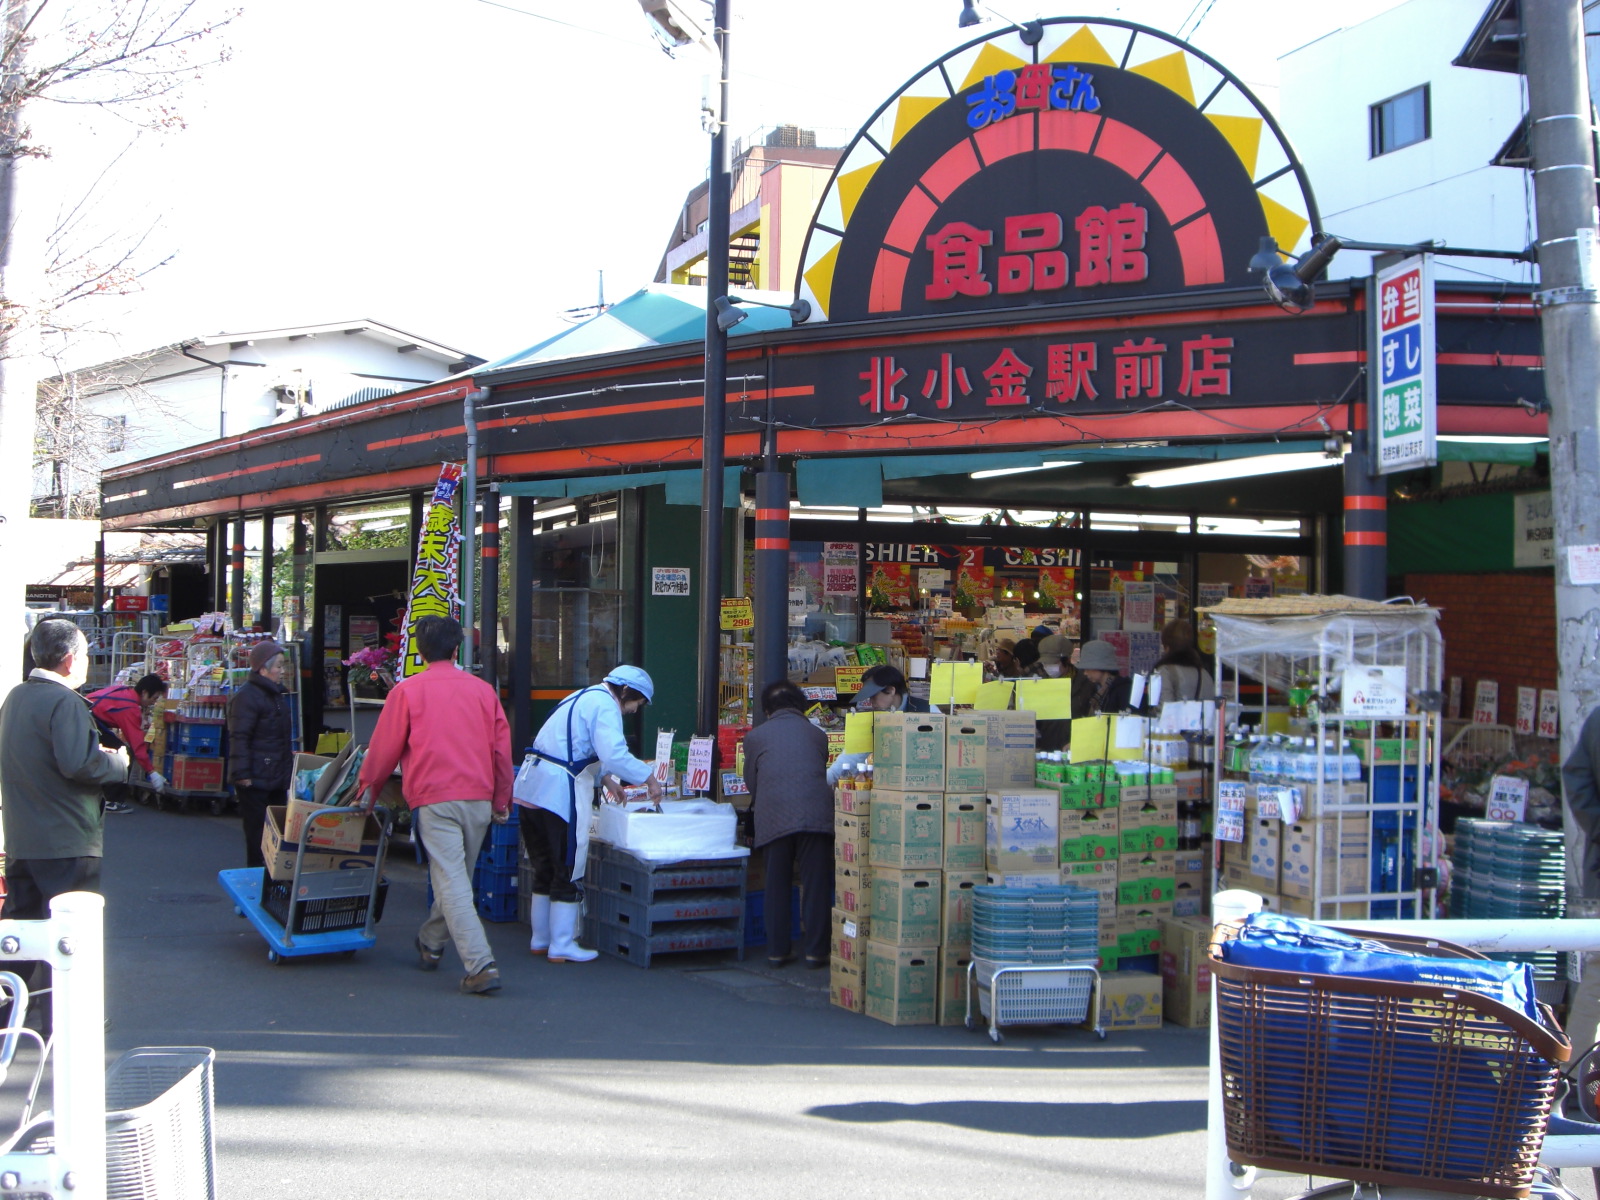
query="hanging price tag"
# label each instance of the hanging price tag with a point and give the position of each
(699, 773)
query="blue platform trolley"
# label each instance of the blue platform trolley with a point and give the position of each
(313, 912)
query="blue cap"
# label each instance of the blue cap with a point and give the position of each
(635, 678)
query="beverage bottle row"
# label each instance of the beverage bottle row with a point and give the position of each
(1294, 760)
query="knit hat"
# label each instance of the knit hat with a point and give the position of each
(262, 653)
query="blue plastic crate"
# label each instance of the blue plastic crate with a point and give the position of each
(498, 857)
(498, 906)
(508, 834)
(755, 924)
(203, 741)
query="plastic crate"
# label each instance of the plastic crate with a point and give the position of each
(494, 893)
(203, 741)
(613, 870)
(755, 923)
(499, 858)
(687, 905)
(321, 916)
(677, 937)
(1385, 1083)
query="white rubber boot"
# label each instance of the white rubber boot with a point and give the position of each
(564, 935)
(539, 917)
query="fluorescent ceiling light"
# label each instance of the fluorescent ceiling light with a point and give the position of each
(1235, 468)
(999, 471)
(1492, 441)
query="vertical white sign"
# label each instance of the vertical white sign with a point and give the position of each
(1401, 364)
(1527, 707)
(1454, 709)
(1533, 530)
(1486, 703)
(1549, 713)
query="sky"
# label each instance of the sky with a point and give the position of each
(463, 170)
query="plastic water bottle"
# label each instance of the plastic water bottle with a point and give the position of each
(1350, 764)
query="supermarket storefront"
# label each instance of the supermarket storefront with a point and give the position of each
(1031, 304)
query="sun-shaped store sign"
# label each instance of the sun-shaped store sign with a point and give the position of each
(1107, 161)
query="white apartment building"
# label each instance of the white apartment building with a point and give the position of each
(203, 388)
(1400, 143)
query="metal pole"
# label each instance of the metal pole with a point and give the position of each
(772, 570)
(469, 525)
(236, 600)
(489, 606)
(714, 416)
(78, 975)
(99, 576)
(1366, 517)
(1564, 200)
(266, 571)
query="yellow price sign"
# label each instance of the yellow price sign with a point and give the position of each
(848, 679)
(737, 613)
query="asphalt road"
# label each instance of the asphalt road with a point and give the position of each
(367, 1077)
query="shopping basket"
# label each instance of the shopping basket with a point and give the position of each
(1384, 1082)
(160, 1143)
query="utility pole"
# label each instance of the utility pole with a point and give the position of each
(1560, 133)
(714, 418)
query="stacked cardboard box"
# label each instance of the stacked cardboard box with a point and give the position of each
(852, 896)
(1277, 857)
(1147, 867)
(907, 864)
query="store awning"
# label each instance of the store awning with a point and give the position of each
(683, 487)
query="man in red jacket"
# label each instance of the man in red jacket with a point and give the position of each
(446, 730)
(119, 712)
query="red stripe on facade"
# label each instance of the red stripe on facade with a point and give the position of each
(1354, 502)
(1327, 357)
(1171, 188)
(272, 466)
(772, 543)
(1005, 138)
(1490, 360)
(1365, 537)
(772, 514)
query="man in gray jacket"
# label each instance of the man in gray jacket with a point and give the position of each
(52, 768)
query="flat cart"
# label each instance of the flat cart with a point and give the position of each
(313, 912)
(1020, 994)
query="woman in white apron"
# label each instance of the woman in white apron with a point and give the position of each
(579, 742)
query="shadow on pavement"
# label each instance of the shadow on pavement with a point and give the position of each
(1149, 1118)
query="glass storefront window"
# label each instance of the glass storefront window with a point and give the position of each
(381, 525)
(579, 611)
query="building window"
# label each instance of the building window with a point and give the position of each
(1400, 121)
(116, 433)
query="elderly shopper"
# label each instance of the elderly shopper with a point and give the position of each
(52, 770)
(260, 744)
(1099, 686)
(785, 766)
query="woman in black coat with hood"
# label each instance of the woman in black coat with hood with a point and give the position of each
(260, 744)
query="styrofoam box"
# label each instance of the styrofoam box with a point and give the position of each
(683, 829)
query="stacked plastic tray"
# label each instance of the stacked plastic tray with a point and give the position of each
(494, 878)
(636, 909)
(1034, 926)
(1507, 870)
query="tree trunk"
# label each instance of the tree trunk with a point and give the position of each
(20, 264)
